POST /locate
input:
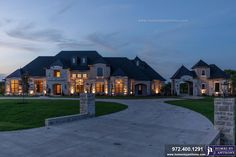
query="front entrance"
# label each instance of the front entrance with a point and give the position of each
(57, 90)
(141, 89)
(119, 87)
(186, 88)
(79, 86)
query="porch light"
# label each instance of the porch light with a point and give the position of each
(72, 91)
(157, 91)
(203, 91)
(31, 92)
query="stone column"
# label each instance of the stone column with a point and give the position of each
(87, 104)
(224, 119)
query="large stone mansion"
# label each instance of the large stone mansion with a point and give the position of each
(74, 72)
(203, 79)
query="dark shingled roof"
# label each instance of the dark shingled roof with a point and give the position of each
(148, 70)
(200, 64)
(36, 67)
(126, 66)
(120, 66)
(183, 71)
(216, 72)
(16, 73)
(119, 72)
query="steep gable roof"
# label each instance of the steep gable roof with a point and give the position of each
(216, 72)
(119, 72)
(66, 57)
(200, 64)
(148, 70)
(183, 71)
(126, 66)
(36, 67)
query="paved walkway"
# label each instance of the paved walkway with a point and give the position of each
(141, 130)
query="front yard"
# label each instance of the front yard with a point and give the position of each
(14, 115)
(204, 106)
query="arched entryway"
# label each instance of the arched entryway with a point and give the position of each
(186, 88)
(141, 89)
(57, 89)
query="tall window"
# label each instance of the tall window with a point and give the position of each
(57, 89)
(217, 87)
(99, 87)
(57, 73)
(203, 86)
(203, 73)
(39, 86)
(99, 72)
(137, 62)
(73, 60)
(14, 86)
(119, 87)
(83, 60)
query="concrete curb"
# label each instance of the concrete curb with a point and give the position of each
(65, 119)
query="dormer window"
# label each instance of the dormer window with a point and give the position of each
(137, 63)
(83, 60)
(57, 73)
(99, 72)
(203, 73)
(73, 60)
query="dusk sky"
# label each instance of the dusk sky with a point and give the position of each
(166, 34)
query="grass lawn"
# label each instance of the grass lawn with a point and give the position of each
(14, 116)
(204, 106)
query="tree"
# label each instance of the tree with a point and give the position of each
(166, 89)
(25, 86)
(232, 74)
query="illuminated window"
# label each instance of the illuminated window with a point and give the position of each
(79, 75)
(119, 87)
(38, 86)
(99, 87)
(14, 86)
(85, 75)
(73, 75)
(99, 72)
(57, 89)
(57, 73)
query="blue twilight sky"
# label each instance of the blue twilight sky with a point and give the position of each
(166, 33)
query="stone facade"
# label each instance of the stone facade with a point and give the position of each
(73, 73)
(224, 119)
(204, 79)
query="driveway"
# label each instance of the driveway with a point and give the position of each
(141, 130)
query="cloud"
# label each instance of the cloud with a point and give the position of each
(65, 7)
(73, 45)
(110, 42)
(30, 32)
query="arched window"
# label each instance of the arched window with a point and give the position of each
(203, 73)
(99, 72)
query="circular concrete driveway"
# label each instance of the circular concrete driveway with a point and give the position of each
(141, 130)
